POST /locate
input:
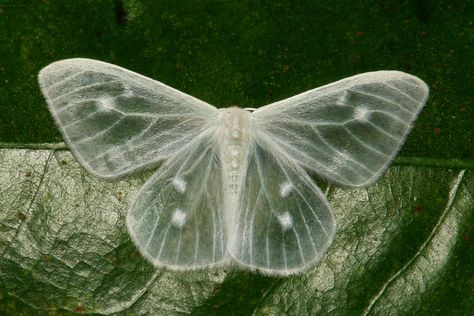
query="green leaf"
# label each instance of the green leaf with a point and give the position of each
(403, 246)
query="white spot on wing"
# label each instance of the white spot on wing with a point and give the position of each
(285, 188)
(107, 103)
(179, 218)
(285, 220)
(342, 100)
(361, 113)
(179, 184)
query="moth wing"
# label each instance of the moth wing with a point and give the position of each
(116, 121)
(176, 220)
(348, 131)
(283, 222)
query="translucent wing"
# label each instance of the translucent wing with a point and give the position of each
(283, 223)
(348, 131)
(116, 121)
(176, 218)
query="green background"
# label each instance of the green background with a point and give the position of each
(251, 53)
(247, 53)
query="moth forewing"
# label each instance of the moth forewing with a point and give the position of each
(349, 131)
(116, 121)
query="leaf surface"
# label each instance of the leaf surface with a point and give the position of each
(402, 246)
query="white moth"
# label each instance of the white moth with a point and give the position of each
(233, 185)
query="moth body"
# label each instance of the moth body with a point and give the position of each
(234, 141)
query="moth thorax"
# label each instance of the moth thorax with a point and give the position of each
(236, 123)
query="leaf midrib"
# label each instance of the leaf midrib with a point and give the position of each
(452, 196)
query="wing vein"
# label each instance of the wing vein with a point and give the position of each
(65, 79)
(98, 84)
(196, 245)
(178, 250)
(308, 204)
(267, 247)
(313, 161)
(163, 241)
(375, 96)
(89, 115)
(101, 133)
(307, 227)
(397, 140)
(246, 215)
(391, 86)
(394, 117)
(366, 145)
(343, 155)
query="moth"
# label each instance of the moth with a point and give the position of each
(233, 185)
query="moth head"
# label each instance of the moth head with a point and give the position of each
(234, 123)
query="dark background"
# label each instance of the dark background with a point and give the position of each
(246, 53)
